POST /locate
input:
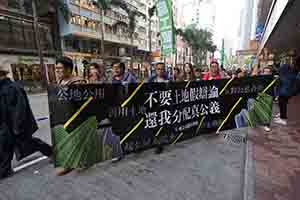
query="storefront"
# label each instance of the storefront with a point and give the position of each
(27, 70)
(281, 33)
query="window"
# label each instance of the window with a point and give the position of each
(14, 4)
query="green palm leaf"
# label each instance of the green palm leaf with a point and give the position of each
(261, 112)
(80, 148)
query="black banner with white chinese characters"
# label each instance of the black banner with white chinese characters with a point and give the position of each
(93, 123)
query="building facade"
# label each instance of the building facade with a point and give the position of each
(18, 44)
(81, 38)
(281, 31)
(246, 23)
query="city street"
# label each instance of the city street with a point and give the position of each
(150, 99)
(204, 168)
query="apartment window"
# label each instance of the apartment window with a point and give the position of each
(15, 4)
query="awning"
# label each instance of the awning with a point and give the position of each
(282, 32)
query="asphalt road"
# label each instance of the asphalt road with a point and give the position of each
(39, 106)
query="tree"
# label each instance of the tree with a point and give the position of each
(103, 6)
(200, 41)
(151, 12)
(131, 25)
(44, 6)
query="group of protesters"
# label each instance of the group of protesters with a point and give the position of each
(96, 73)
(17, 123)
(288, 77)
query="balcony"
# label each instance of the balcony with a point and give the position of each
(77, 30)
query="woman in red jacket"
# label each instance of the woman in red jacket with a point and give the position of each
(214, 72)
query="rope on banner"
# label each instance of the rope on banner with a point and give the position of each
(158, 132)
(188, 84)
(232, 109)
(78, 112)
(181, 134)
(225, 87)
(132, 95)
(132, 130)
(200, 124)
(270, 85)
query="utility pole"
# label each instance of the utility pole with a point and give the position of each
(38, 44)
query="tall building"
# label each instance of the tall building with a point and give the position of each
(205, 15)
(183, 51)
(246, 24)
(81, 34)
(18, 45)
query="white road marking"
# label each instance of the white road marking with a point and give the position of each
(16, 169)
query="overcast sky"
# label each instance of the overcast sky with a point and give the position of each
(227, 18)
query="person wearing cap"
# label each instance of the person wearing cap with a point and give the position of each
(64, 72)
(17, 126)
(214, 72)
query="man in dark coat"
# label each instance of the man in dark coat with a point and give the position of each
(17, 125)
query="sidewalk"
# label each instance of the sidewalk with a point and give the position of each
(205, 168)
(277, 158)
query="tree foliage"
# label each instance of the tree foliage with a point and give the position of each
(200, 40)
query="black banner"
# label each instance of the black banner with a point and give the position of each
(117, 119)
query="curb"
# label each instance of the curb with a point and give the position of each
(38, 94)
(249, 173)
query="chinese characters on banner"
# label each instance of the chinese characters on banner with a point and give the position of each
(157, 113)
(166, 106)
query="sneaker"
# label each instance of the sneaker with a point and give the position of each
(267, 128)
(277, 115)
(280, 121)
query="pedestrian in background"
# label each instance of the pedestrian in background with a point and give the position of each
(17, 126)
(64, 72)
(240, 73)
(120, 75)
(96, 73)
(198, 74)
(288, 77)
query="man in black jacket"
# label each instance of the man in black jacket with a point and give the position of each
(17, 125)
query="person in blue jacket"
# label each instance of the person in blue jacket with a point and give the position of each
(287, 77)
(120, 76)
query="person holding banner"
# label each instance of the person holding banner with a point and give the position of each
(160, 74)
(17, 126)
(214, 72)
(64, 72)
(188, 72)
(96, 73)
(176, 75)
(120, 76)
